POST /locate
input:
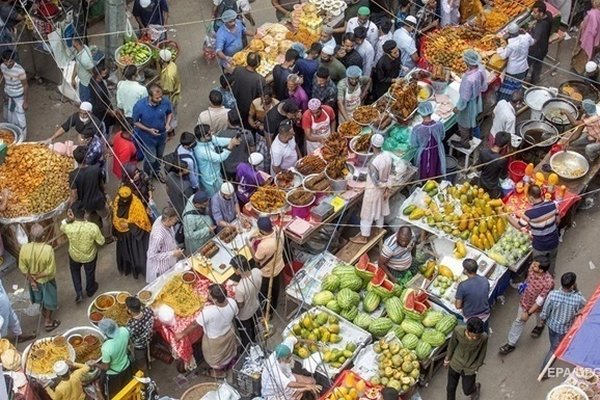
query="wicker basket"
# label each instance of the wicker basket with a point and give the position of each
(196, 392)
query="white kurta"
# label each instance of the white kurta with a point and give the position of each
(374, 205)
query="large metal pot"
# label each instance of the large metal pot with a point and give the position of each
(538, 133)
(16, 131)
(552, 112)
(584, 89)
(569, 164)
(535, 97)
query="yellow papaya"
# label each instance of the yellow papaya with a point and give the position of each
(490, 238)
(495, 203)
(501, 226)
(416, 214)
(462, 225)
(483, 226)
(445, 271)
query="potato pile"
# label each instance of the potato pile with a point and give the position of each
(37, 179)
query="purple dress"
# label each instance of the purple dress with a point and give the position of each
(248, 180)
(430, 157)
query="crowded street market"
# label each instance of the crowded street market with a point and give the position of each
(319, 200)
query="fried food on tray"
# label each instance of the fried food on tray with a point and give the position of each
(349, 128)
(209, 249)
(405, 95)
(285, 179)
(338, 169)
(317, 183)
(117, 313)
(311, 164)
(181, 297)
(300, 197)
(268, 199)
(7, 136)
(362, 143)
(88, 350)
(227, 235)
(43, 354)
(334, 146)
(365, 115)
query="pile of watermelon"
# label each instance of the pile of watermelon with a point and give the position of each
(415, 303)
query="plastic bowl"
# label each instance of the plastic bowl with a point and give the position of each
(75, 340)
(189, 277)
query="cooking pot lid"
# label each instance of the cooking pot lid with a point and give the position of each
(536, 97)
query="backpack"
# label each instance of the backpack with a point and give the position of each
(179, 233)
(174, 157)
(221, 8)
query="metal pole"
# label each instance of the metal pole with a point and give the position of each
(115, 17)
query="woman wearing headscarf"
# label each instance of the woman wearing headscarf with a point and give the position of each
(470, 103)
(352, 91)
(138, 181)
(131, 227)
(115, 356)
(219, 342)
(427, 137)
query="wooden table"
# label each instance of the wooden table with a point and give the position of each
(576, 186)
(351, 252)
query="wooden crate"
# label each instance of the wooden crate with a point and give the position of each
(52, 234)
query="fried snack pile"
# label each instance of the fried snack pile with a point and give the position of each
(311, 164)
(337, 169)
(7, 136)
(285, 179)
(268, 199)
(335, 146)
(365, 115)
(405, 97)
(270, 42)
(317, 183)
(43, 354)
(181, 297)
(37, 179)
(303, 35)
(349, 128)
(361, 145)
(118, 313)
(88, 350)
(209, 249)
(300, 197)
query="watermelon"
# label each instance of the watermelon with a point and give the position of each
(410, 341)
(446, 324)
(432, 317)
(344, 269)
(423, 350)
(349, 313)
(363, 320)
(371, 302)
(397, 290)
(333, 306)
(331, 283)
(398, 331)
(383, 290)
(351, 282)
(412, 326)
(393, 307)
(379, 277)
(366, 270)
(345, 298)
(412, 307)
(380, 327)
(433, 337)
(322, 298)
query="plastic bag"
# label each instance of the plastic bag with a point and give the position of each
(208, 47)
(156, 32)
(130, 34)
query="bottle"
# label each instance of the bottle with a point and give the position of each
(560, 192)
(528, 177)
(552, 183)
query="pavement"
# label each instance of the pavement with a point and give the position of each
(509, 377)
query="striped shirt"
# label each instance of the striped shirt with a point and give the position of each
(399, 258)
(13, 77)
(560, 309)
(541, 218)
(160, 257)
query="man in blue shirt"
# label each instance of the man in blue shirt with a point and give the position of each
(307, 67)
(229, 37)
(152, 120)
(472, 295)
(150, 12)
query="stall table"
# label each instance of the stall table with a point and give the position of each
(351, 252)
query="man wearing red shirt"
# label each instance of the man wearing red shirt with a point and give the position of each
(318, 122)
(533, 292)
(124, 151)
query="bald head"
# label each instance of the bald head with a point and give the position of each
(404, 236)
(36, 233)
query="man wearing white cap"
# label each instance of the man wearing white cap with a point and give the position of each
(337, 71)
(70, 386)
(249, 177)
(224, 207)
(84, 122)
(150, 12)
(375, 205)
(404, 38)
(591, 73)
(170, 82)
(515, 52)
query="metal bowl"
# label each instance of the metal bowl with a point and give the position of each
(535, 97)
(569, 164)
(15, 130)
(428, 89)
(297, 182)
(538, 133)
(586, 90)
(553, 108)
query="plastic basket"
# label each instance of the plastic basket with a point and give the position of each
(245, 384)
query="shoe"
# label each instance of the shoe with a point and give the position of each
(90, 294)
(537, 331)
(79, 298)
(458, 143)
(505, 349)
(475, 396)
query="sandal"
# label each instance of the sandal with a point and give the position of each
(537, 331)
(505, 349)
(55, 324)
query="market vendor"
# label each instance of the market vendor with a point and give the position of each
(115, 356)
(249, 177)
(515, 52)
(278, 380)
(351, 92)
(337, 71)
(589, 126)
(427, 138)
(505, 118)
(318, 122)
(494, 166)
(405, 39)
(267, 247)
(396, 253)
(83, 121)
(71, 376)
(470, 103)
(198, 225)
(387, 69)
(224, 207)
(229, 38)
(375, 204)
(284, 150)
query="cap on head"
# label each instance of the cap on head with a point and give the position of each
(255, 158)
(60, 368)
(108, 327)
(265, 224)
(282, 351)
(145, 3)
(200, 197)
(377, 140)
(589, 106)
(364, 11)
(329, 50)
(513, 28)
(85, 106)
(228, 16)
(410, 20)
(124, 192)
(165, 55)
(314, 104)
(425, 108)
(227, 189)
(590, 67)
(471, 57)
(353, 71)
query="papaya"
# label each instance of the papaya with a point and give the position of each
(490, 238)
(462, 225)
(471, 223)
(445, 271)
(483, 226)
(409, 209)
(465, 235)
(501, 226)
(430, 185)
(495, 203)
(417, 213)
(475, 241)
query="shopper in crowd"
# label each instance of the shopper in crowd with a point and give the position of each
(84, 239)
(267, 246)
(284, 150)
(296, 93)
(247, 297)
(198, 225)
(249, 178)
(318, 122)
(385, 34)
(71, 377)
(85, 65)
(533, 293)
(224, 207)
(281, 73)
(337, 70)
(561, 308)
(494, 166)
(9, 320)
(362, 20)
(152, 118)
(129, 91)
(139, 183)
(307, 66)
(350, 55)
(163, 252)
(587, 134)
(427, 18)
(16, 91)
(387, 69)
(37, 263)
(185, 154)
(219, 342)
(247, 84)
(115, 356)
(140, 323)
(365, 49)
(178, 185)
(285, 110)
(83, 121)
(131, 226)
(100, 98)
(351, 92)
(95, 153)
(405, 40)
(326, 38)
(150, 12)
(375, 205)
(541, 219)
(472, 295)
(123, 149)
(257, 120)
(505, 119)
(208, 159)
(450, 12)
(470, 104)
(541, 40)
(427, 137)
(515, 53)
(241, 152)
(466, 353)
(170, 82)
(589, 38)
(216, 114)
(225, 82)
(396, 253)
(324, 88)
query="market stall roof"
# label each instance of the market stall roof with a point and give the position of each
(575, 347)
